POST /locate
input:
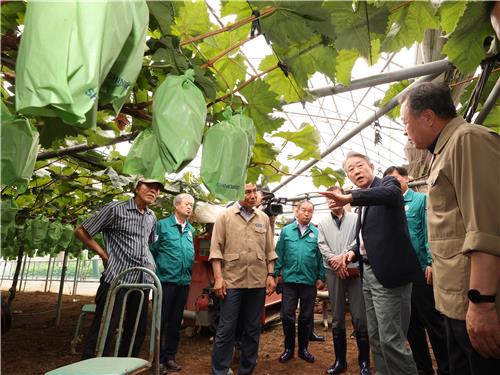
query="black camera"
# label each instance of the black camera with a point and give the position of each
(273, 209)
(272, 206)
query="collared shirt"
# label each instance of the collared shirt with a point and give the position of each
(338, 220)
(432, 146)
(127, 233)
(463, 209)
(245, 247)
(245, 212)
(299, 259)
(174, 251)
(182, 225)
(302, 228)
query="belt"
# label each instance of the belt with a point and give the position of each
(365, 260)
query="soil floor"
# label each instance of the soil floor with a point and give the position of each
(34, 345)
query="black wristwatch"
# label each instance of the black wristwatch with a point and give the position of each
(270, 274)
(476, 297)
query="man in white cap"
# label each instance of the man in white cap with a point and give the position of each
(128, 228)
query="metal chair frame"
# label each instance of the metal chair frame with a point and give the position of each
(93, 365)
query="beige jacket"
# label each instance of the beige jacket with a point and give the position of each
(463, 209)
(245, 247)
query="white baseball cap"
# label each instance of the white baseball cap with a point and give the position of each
(149, 181)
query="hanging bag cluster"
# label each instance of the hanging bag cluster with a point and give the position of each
(19, 150)
(179, 115)
(74, 53)
(143, 158)
(227, 151)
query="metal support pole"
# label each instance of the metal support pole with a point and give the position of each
(77, 275)
(379, 113)
(27, 274)
(22, 272)
(3, 271)
(47, 277)
(381, 78)
(61, 288)
(489, 103)
(52, 272)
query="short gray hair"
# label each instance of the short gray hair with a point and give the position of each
(302, 202)
(180, 197)
(355, 154)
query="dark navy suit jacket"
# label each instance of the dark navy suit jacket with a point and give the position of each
(385, 233)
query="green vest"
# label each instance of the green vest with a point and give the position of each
(173, 251)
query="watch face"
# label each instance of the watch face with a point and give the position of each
(474, 295)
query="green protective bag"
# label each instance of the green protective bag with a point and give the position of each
(144, 157)
(39, 227)
(225, 157)
(66, 236)
(246, 124)
(8, 212)
(179, 115)
(19, 150)
(9, 233)
(71, 52)
(54, 232)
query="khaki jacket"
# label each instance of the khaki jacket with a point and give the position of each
(463, 209)
(245, 247)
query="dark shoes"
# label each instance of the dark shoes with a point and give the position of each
(337, 367)
(315, 337)
(163, 369)
(286, 355)
(169, 366)
(364, 368)
(306, 356)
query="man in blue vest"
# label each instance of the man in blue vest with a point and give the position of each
(424, 315)
(174, 256)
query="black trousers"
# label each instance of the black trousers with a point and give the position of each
(246, 305)
(292, 293)
(128, 323)
(464, 360)
(424, 316)
(172, 309)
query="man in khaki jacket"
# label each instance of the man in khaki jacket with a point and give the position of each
(463, 221)
(242, 255)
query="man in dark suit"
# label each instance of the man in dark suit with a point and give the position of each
(388, 262)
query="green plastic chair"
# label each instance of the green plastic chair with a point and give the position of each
(122, 365)
(87, 309)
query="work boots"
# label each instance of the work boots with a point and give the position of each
(304, 330)
(364, 354)
(289, 332)
(340, 347)
(315, 337)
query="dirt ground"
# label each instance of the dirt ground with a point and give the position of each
(33, 345)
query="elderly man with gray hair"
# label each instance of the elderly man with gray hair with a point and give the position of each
(388, 262)
(173, 252)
